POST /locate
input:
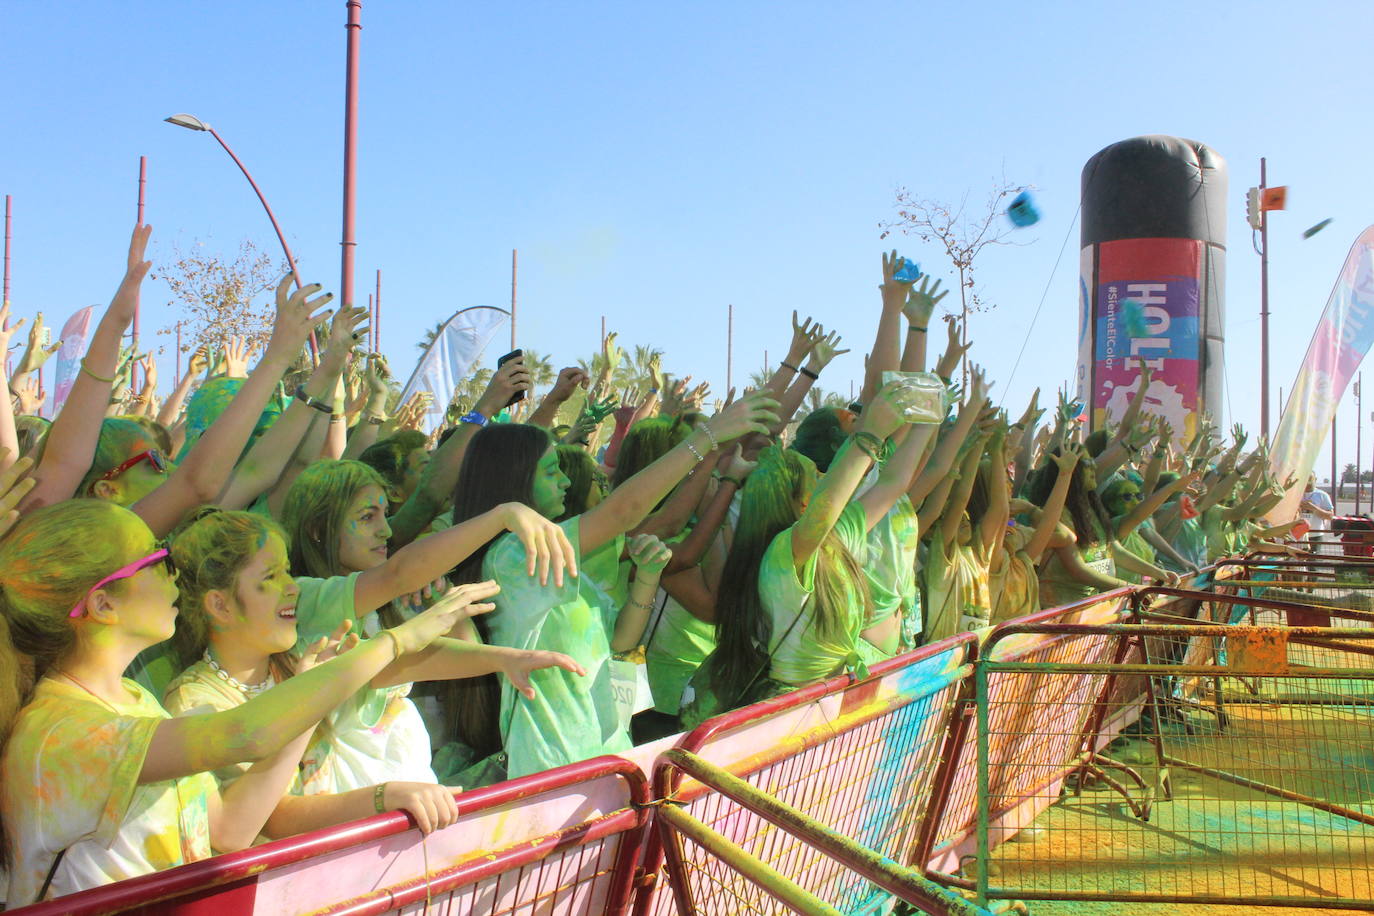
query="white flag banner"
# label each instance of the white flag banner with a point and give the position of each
(452, 356)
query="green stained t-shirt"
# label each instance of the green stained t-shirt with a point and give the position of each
(800, 654)
(890, 563)
(570, 718)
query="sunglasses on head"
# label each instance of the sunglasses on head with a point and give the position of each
(152, 456)
(160, 555)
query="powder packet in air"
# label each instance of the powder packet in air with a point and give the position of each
(920, 395)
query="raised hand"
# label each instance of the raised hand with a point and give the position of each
(7, 332)
(15, 484)
(612, 355)
(30, 395)
(954, 348)
(753, 413)
(237, 352)
(894, 291)
(1069, 456)
(824, 351)
(35, 354)
(199, 361)
(805, 336)
(505, 382)
(979, 390)
(569, 380)
(885, 414)
(125, 300)
(347, 328)
(596, 410)
(297, 316)
(1146, 374)
(921, 300)
(696, 397)
(656, 372)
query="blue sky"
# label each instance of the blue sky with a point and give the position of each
(655, 164)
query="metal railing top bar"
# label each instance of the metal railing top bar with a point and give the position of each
(1255, 601)
(231, 867)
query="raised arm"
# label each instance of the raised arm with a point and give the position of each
(440, 475)
(262, 467)
(920, 306)
(942, 461)
(953, 513)
(202, 475)
(1151, 504)
(628, 504)
(886, 353)
(72, 439)
(824, 350)
(1053, 510)
(993, 526)
(265, 723)
(880, 419)
(9, 439)
(569, 380)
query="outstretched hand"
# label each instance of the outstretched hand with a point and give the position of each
(825, 351)
(921, 300)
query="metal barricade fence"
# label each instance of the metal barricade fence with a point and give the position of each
(704, 862)
(949, 838)
(562, 841)
(1248, 780)
(1321, 582)
(858, 757)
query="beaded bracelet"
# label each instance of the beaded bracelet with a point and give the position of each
(706, 428)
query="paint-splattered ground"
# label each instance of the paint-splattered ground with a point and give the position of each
(1213, 838)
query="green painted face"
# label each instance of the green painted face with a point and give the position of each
(550, 483)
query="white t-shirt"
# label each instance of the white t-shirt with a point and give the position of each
(1321, 500)
(70, 782)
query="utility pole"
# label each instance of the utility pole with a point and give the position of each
(348, 244)
(513, 255)
(1264, 315)
(1335, 481)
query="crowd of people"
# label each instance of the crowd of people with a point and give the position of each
(223, 619)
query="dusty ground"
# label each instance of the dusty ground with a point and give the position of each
(1212, 839)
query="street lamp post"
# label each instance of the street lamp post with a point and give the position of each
(193, 123)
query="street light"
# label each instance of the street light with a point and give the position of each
(191, 122)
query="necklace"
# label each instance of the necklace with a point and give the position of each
(249, 690)
(98, 697)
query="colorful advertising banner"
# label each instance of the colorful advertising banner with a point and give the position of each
(1147, 304)
(1343, 337)
(68, 361)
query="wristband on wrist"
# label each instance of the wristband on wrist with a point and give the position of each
(379, 798)
(726, 478)
(653, 391)
(314, 403)
(473, 417)
(98, 378)
(809, 374)
(375, 420)
(643, 606)
(917, 328)
(787, 365)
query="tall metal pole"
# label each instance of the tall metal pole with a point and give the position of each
(1335, 481)
(730, 348)
(350, 161)
(1359, 428)
(176, 367)
(513, 255)
(7, 257)
(1264, 314)
(377, 316)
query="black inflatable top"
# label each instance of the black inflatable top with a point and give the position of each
(1155, 187)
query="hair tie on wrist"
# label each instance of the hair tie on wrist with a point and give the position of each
(787, 365)
(809, 374)
(99, 378)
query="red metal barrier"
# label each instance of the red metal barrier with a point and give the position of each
(571, 846)
(858, 757)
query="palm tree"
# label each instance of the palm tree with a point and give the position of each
(430, 336)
